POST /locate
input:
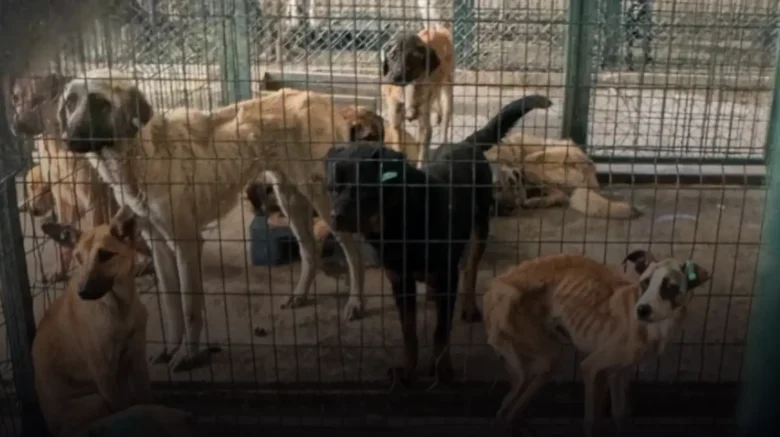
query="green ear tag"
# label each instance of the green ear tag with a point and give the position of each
(389, 175)
(690, 272)
(65, 235)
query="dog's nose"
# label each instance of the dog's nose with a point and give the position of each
(644, 311)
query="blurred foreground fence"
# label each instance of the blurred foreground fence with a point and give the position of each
(646, 86)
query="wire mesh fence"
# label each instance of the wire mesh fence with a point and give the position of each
(665, 82)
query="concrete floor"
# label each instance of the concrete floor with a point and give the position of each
(719, 227)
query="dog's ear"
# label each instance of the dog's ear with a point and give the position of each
(123, 225)
(140, 111)
(695, 274)
(364, 132)
(62, 234)
(641, 259)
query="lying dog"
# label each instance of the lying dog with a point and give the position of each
(184, 170)
(421, 230)
(38, 198)
(420, 71)
(89, 353)
(532, 310)
(560, 169)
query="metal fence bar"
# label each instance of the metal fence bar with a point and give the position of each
(463, 21)
(236, 71)
(613, 34)
(758, 406)
(15, 285)
(578, 66)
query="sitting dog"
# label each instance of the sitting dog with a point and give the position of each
(613, 318)
(419, 69)
(420, 222)
(185, 169)
(89, 354)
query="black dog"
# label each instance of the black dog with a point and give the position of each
(420, 222)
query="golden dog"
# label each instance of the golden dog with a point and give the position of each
(420, 71)
(186, 169)
(38, 197)
(615, 319)
(89, 353)
(556, 166)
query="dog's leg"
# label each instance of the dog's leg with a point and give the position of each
(554, 197)
(81, 412)
(537, 371)
(470, 312)
(446, 99)
(619, 380)
(168, 288)
(446, 295)
(138, 379)
(424, 133)
(297, 208)
(514, 368)
(353, 310)
(66, 213)
(405, 294)
(188, 262)
(594, 374)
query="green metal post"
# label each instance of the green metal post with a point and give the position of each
(463, 32)
(578, 66)
(613, 32)
(236, 66)
(761, 386)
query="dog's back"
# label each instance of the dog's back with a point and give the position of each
(85, 336)
(574, 296)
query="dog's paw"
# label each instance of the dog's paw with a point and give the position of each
(294, 301)
(473, 315)
(401, 376)
(353, 310)
(183, 360)
(161, 357)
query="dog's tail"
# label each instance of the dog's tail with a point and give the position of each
(497, 128)
(593, 204)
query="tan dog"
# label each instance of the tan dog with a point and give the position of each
(39, 199)
(76, 188)
(420, 70)
(556, 166)
(89, 353)
(186, 169)
(367, 125)
(615, 319)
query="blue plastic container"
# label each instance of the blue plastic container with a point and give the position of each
(271, 245)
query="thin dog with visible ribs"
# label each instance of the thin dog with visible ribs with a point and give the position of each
(186, 169)
(377, 192)
(615, 319)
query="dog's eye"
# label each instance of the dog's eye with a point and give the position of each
(104, 255)
(644, 284)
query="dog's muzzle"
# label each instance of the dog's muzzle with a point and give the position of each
(644, 312)
(95, 287)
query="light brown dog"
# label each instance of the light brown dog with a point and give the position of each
(38, 198)
(186, 169)
(419, 69)
(89, 353)
(367, 125)
(557, 167)
(615, 319)
(77, 190)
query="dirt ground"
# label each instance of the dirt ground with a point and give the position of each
(719, 227)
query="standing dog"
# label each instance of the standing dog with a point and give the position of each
(186, 169)
(420, 222)
(419, 69)
(39, 199)
(89, 354)
(75, 186)
(557, 167)
(532, 310)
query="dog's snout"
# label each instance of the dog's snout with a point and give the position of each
(644, 311)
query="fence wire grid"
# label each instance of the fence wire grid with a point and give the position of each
(681, 82)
